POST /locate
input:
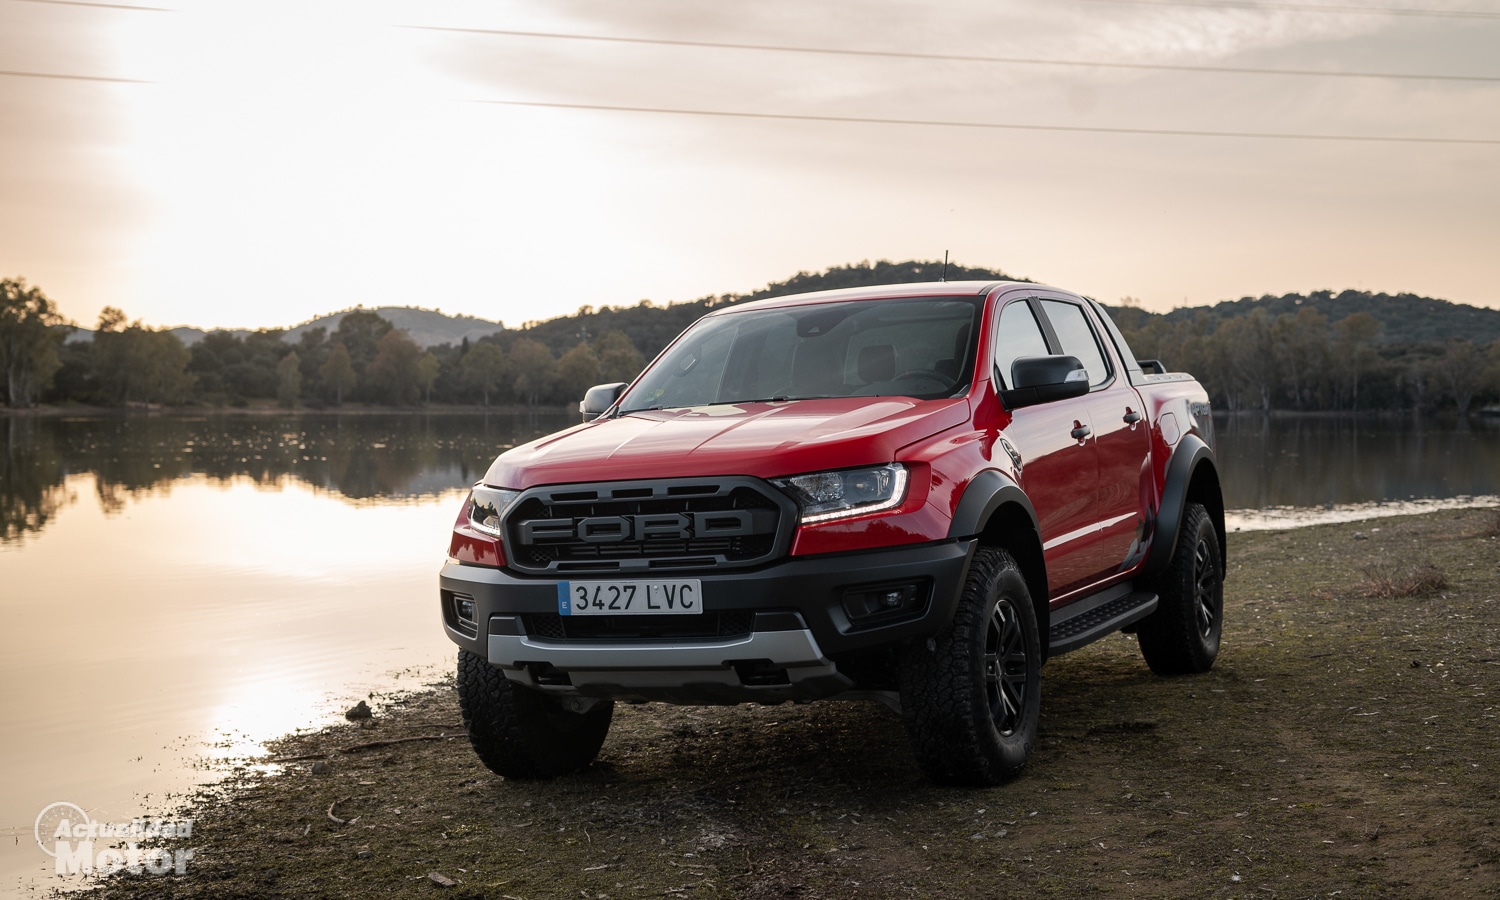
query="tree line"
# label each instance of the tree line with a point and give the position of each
(1308, 361)
(364, 360)
(1352, 351)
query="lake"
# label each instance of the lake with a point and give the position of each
(1302, 470)
(177, 590)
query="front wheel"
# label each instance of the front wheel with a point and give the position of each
(1182, 636)
(972, 694)
(521, 733)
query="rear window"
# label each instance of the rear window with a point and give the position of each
(1077, 338)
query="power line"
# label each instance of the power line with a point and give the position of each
(939, 123)
(1316, 7)
(74, 77)
(949, 57)
(101, 5)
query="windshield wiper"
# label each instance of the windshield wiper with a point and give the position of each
(779, 398)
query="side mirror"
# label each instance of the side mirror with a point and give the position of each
(600, 397)
(1043, 379)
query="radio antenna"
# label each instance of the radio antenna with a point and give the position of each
(945, 266)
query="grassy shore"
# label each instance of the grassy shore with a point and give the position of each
(1344, 745)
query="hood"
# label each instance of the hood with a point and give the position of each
(764, 440)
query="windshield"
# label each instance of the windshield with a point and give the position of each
(917, 347)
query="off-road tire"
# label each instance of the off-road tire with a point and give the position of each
(1182, 636)
(971, 694)
(522, 733)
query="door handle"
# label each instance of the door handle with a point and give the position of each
(1080, 431)
(1131, 416)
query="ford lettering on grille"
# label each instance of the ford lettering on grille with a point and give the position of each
(642, 526)
(611, 529)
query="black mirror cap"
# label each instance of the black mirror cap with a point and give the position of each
(1044, 379)
(600, 397)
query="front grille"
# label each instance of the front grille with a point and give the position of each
(707, 626)
(645, 526)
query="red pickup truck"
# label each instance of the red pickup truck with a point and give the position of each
(914, 494)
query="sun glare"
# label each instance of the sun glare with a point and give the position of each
(256, 709)
(316, 148)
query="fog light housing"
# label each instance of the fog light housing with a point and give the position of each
(877, 603)
(459, 614)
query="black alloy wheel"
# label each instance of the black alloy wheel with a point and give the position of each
(1182, 637)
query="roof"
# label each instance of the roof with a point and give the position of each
(881, 292)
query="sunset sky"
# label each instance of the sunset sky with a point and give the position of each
(288, 159)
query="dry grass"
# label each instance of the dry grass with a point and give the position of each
(1388, 580)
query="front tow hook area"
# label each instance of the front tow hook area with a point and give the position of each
(760, 672)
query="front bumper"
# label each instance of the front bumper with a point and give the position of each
(800, 628)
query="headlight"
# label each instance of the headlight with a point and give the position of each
(487, 505)
(823, 496)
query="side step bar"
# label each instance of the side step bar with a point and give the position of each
(1101, 615)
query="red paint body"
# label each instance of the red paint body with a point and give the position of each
(1095, 498)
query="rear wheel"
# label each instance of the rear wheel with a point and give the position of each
(1182, 636)
(522, 733)
(971, 695)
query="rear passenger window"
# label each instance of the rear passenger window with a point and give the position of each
(1077, 338)
(1017, 336)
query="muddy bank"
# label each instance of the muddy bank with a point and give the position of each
(1346, 741)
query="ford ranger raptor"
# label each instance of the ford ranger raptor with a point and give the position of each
(915, 494)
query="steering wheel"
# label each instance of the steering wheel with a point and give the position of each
(945, 380)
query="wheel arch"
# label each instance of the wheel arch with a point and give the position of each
(1192, 477)
(995, 510)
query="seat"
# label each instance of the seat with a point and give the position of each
(877, 362)
(816, 371)
(950, 367)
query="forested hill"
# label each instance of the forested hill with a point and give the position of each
(428, 327)
(650, 326)
(1404, 318)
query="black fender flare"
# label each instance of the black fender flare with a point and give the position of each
(985, 493)
(1191, 452)
(986, 496)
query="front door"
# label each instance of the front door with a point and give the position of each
(1121, 439)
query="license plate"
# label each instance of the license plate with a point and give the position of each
(630, 598)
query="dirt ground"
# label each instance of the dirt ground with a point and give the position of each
(1344, 745)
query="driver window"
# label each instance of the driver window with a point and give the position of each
(1017, 336)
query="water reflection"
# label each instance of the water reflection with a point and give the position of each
(358, 458)
(145, 648)
(1295, 471)
(1326, 463)
(31, 474)
(178, 590)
